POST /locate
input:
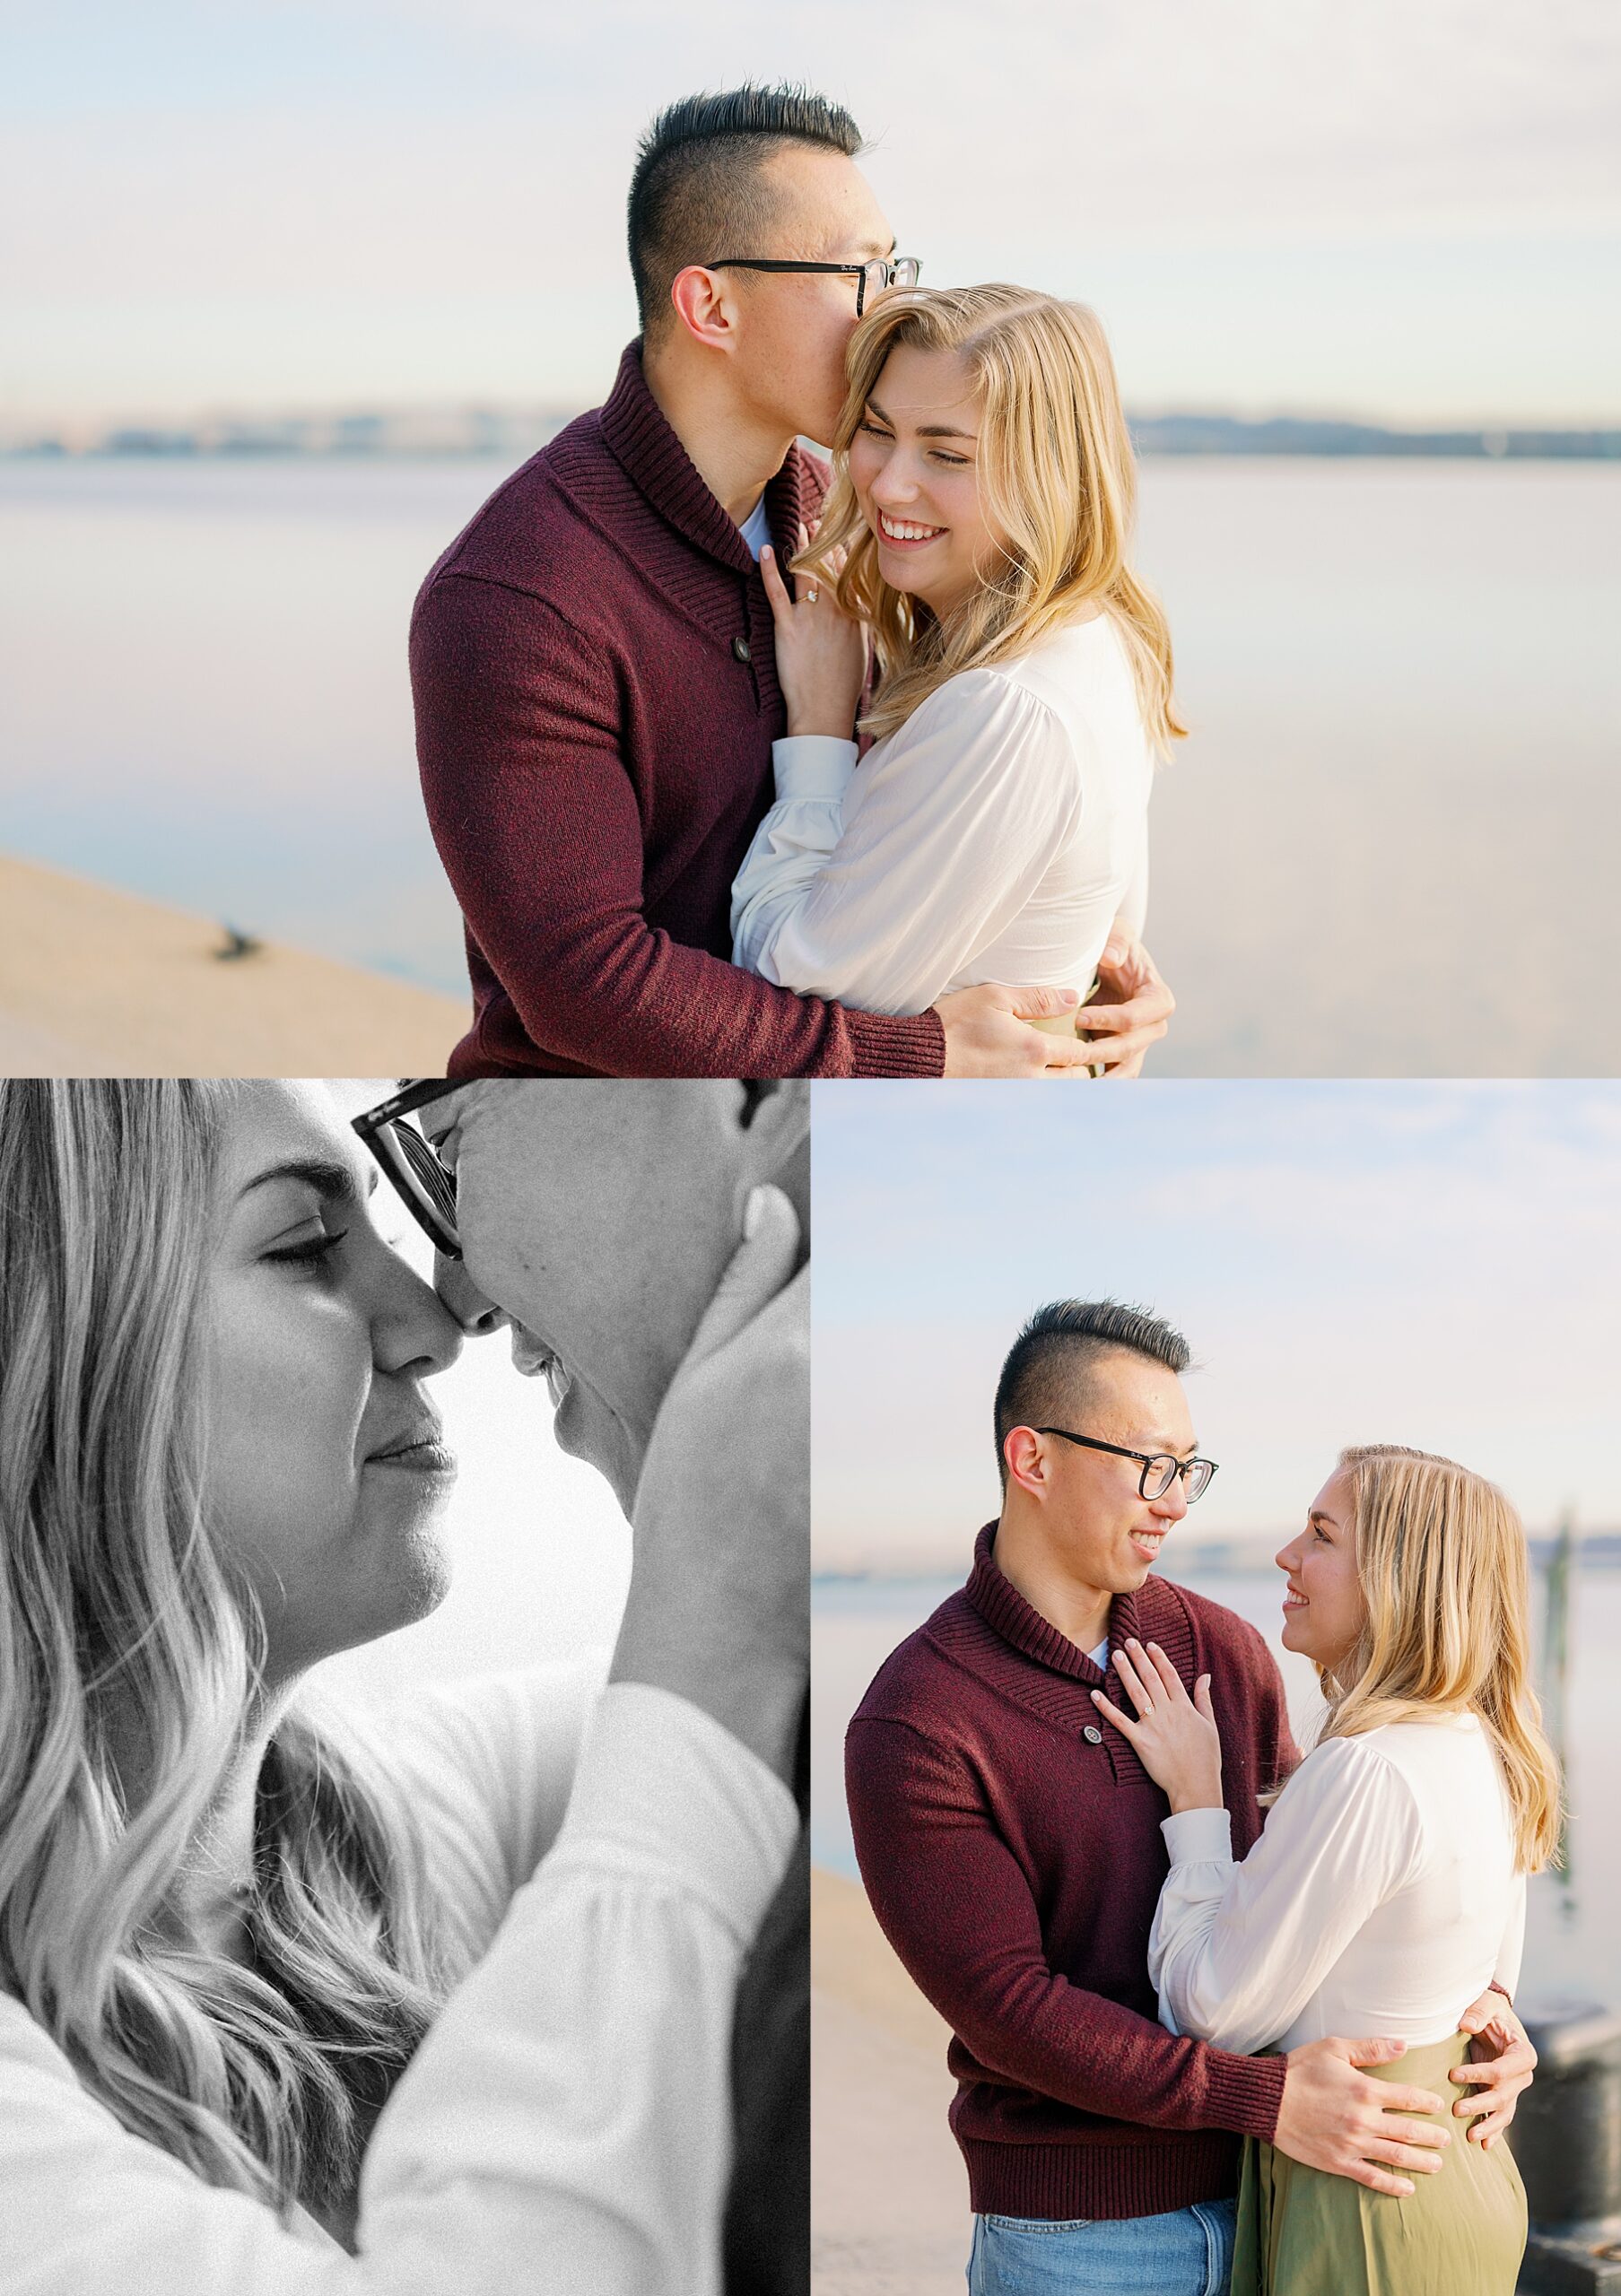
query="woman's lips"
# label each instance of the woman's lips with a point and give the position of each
(428, 1454)
(1294, 1601)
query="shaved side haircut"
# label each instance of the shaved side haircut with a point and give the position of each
(1048, 1367)
(701, 192)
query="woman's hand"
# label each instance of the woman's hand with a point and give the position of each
(718, 1610)
(821, 652)
(1175, 1737)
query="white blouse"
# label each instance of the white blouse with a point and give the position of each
(994, 836)
(566, 2125)
(1381, 1898)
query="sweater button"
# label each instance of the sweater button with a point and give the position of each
(1093, 1735)
(740, 649)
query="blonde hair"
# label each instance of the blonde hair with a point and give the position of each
(1441, 1556)
(117, 1617)
(1057, 476)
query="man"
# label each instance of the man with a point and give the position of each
(593, 668)
(602, 1222)
(1011, 1847)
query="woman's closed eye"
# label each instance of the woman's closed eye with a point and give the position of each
(936, 455)
(308, 1250)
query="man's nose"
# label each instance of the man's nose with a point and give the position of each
(474, 1310)
(1174, 1501)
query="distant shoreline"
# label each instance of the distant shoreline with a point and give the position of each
(1594, 1551)
(492, 435)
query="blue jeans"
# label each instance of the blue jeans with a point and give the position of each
(1188, 2252)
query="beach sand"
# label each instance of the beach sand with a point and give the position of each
(889, 2194)
(97, 983)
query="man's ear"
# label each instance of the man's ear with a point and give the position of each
(1026, 1456)
(702, 304)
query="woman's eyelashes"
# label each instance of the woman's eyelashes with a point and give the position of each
(936, 454)
(308, 1251)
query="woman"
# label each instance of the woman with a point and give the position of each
(978, 528)
(226, 1932)
(1387, 1889)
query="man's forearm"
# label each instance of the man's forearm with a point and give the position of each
(755, 1695)
(539, 829)
(1087, 2051)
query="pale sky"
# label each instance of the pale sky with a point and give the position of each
(1409, 210)
(1437, 1265)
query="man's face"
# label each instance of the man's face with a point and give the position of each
(1104, 1533)
(598, 1217)
(795, 325)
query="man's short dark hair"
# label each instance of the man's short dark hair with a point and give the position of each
(701, 180)
(1048, 1366)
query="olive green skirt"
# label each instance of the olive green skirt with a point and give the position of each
(1302, 2232)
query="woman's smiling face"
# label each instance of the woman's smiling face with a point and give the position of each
(1323, 1606)
(914, 464)
(323, 1476)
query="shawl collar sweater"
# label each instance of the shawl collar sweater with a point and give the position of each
(595, 689)
(1009, 1839)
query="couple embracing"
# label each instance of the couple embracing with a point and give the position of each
(1209, 2000)
(646, 673)
(503, 1988)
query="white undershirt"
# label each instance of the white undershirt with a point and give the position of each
(566, 2125)
(1381, 1898)
(756, 530)
(994, 836)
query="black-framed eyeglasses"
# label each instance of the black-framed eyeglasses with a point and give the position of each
(872, 278)
(1160, 1470)
(425, 1186)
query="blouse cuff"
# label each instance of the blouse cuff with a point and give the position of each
(812, 765)
(665, 1794)
(1199, 1837)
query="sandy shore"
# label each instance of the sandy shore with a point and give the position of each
(98, 983)
(889, 2195)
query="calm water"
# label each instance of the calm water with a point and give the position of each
(1573, 1943)
(1389, 850)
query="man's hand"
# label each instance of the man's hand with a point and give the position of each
(717, 1610)
(1336, 2118)
(1132, 1008)
(1504, 2067)
(988, 1032)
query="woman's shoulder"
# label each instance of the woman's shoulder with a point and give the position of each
(998, 696)
(1073, 687)
(1434, 1747)
(1401, 1760)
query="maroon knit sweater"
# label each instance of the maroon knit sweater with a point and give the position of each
(597, 698)
(1015, 1864)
